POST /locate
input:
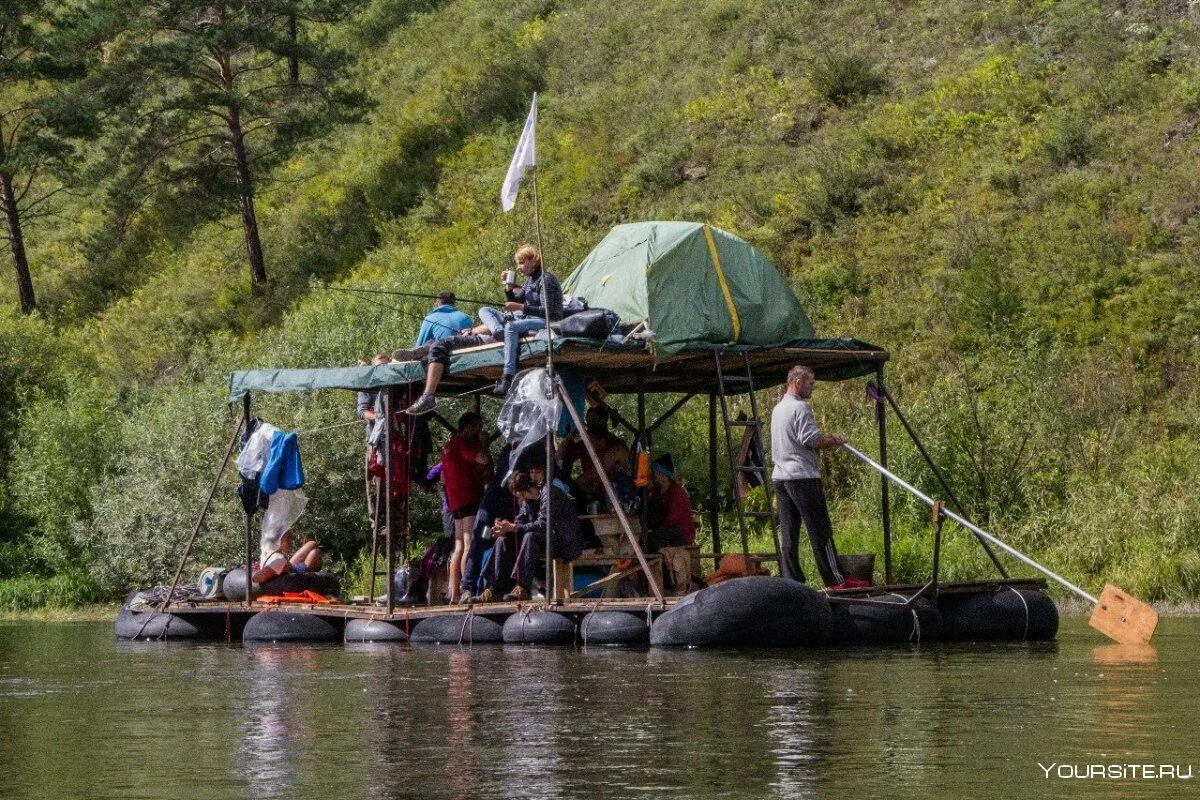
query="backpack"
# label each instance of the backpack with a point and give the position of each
(592, 323)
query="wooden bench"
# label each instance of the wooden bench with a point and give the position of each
(612, 561)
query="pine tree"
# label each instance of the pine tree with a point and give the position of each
(211, 94)
(37, 55)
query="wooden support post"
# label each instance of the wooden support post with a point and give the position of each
(937, 547)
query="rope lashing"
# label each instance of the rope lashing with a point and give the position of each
(1025, 603)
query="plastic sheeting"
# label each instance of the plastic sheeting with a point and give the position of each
(530, 412)
(286, 507)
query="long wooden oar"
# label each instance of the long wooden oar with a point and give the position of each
(1117, 615)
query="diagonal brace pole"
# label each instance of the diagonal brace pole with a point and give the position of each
(612, 495)
(237, 430)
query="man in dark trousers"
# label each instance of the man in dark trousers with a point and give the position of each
(795, 442)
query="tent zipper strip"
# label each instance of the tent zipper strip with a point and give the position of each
(712, 251)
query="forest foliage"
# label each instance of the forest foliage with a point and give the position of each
(1002, 194)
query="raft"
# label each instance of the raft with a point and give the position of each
(749, 612)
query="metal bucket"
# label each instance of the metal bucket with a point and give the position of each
(857, 565)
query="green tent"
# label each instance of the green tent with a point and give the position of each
(691, 283)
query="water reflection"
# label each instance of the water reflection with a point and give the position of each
(274, 720)
(1115, 655)
(795, 721)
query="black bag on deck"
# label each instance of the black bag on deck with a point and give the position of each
(593, 323)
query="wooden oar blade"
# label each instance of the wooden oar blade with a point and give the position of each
(1123, 618)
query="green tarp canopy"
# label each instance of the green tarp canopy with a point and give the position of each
(692, 283)
(621, 368)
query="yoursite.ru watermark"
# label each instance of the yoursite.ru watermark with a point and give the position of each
(1118, 772)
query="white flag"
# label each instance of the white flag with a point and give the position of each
(526, 156)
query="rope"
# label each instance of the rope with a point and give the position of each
(916, 630)
(466, 621)
(583, 626)
(1024, 602)
(524, 618)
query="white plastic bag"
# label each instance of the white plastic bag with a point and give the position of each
(253, 458)
(286, 507)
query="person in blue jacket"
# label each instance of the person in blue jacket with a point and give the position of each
(444, 320)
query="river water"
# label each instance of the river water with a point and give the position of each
(85, 716)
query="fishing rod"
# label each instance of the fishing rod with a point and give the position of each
(449, 330)
(418, 295)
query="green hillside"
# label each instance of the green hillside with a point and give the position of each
(1003, 194)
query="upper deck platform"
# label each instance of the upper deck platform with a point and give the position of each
(620, 368)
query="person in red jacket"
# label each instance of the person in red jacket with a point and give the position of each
(466, 465)
(669, 511)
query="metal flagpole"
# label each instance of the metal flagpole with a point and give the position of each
(548, 585)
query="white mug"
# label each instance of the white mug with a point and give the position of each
(509, 277)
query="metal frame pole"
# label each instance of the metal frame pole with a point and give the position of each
(937, 472)
(249, 523)
(714, 512)
(387, 497)
(883, 483)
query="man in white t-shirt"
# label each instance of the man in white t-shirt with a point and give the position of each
(795, 442)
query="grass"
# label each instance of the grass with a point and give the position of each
(94, 612)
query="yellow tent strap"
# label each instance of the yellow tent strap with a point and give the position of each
(712, 251)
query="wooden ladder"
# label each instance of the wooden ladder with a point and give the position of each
(743, 383)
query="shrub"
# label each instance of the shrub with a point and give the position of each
(845, 79)
(1068, 140)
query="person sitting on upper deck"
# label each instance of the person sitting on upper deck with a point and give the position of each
(566, 541)
(610, 448)
(444, 320)
(531, 307)
(669, 509)
(275, 562)
(437, 359)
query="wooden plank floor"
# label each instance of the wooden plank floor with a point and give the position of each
(372, 611)
(579, 606)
